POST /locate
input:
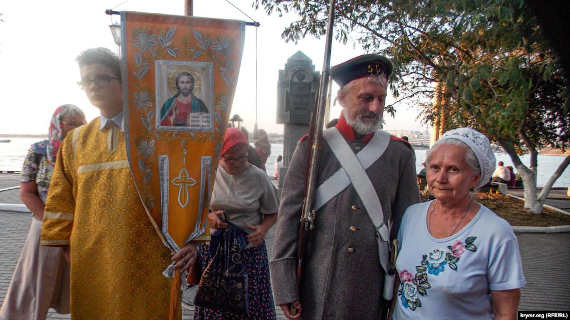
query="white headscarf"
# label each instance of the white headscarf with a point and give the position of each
(480, 146)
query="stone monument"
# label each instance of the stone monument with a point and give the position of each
(296, 97)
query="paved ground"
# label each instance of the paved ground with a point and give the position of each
(13, 229)
(557, 198)
(546, 259)
(9, 181)
(546, 264)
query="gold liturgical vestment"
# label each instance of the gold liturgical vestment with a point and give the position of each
(116, 257)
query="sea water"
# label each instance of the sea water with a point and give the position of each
(12, 155)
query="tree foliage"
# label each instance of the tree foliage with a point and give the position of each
(490, 56)
(487, 52)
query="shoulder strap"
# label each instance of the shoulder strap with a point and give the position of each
(364, 188)
(339, 181)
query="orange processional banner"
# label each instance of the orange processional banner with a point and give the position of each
(180, 75)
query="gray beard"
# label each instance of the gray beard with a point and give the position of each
(360, 127)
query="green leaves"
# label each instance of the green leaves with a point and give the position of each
(494, 64)
(422, 291)
(469, 244)
(475, 84)
(470, 240)
(451, 258)
(468, 95)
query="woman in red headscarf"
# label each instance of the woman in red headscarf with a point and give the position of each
(243, 200)
(41, 278)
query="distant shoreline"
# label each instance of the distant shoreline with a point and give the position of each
(554, 152)
(5, 135)
(278, 139)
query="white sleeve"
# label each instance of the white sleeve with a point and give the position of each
(505, 266)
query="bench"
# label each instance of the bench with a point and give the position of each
(498, 186)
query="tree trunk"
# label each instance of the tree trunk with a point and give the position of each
(531, 202)
(548, 186)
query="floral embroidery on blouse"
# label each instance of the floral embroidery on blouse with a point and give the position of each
(413, 286)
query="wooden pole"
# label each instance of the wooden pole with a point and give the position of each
(436, 105)
(439, 106)
(188, 8)
(175, 312)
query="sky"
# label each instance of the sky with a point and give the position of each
(39, 41)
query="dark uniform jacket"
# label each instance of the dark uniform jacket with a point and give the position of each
(342, 277)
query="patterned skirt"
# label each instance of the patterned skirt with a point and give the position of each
(261, 306)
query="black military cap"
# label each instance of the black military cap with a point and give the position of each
(365, 65)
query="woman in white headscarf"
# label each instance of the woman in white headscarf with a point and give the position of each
(457, 259)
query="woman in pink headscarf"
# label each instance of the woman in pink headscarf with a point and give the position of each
(41, 278)
(244, 207)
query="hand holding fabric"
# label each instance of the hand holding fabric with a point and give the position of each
(215, 219)
(257, 236)
(185, 257)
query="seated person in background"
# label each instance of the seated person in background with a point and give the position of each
(501, 174)
(513, 177)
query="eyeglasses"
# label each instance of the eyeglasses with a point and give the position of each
(100, 80)
(74, 124)
(238, 158)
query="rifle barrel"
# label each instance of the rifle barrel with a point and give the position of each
(316, 131)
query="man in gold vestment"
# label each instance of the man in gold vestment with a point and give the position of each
(93, 209)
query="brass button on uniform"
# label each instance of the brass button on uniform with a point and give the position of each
(350, 250)
(352, 228)
(354, 208)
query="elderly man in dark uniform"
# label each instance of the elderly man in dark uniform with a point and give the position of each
(366, 179)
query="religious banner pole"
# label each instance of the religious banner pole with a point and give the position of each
(175, 311)
(188, 8)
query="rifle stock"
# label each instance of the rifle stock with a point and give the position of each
(308, 215)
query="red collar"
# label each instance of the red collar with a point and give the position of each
(347, 131)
